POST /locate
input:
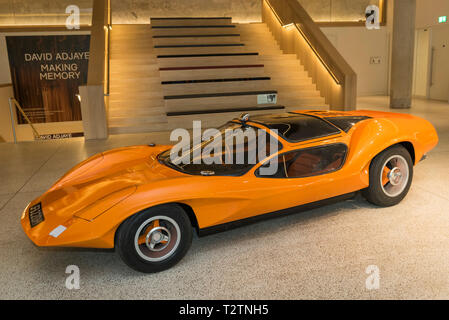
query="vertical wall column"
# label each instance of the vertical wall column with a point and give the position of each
(403, 50)
(93, 106)
(6, 125)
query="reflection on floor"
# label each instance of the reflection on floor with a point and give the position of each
(323, 253)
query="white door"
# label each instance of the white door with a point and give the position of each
(422, 63)
(439, 77)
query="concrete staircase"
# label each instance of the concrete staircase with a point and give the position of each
(174, 71)
(294, 86)
(136, 101)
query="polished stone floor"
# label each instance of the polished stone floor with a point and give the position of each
(320, 254)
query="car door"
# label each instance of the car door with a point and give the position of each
(303, 176)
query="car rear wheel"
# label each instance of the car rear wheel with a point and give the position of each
(156, 239)
(391, 175)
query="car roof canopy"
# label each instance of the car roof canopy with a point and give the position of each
(294, 127)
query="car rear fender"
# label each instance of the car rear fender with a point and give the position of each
(371, 138)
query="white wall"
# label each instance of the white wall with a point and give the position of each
(353, 44)
(428, 11)
(358, 45)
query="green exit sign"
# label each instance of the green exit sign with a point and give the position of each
(442, 19)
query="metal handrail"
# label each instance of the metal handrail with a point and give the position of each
(293, 18)
(317, 54)
(14, 102)
(338, 81)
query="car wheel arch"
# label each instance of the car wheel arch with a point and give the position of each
(406, 144)
(410, 148)
(372, 128)
(185, 207)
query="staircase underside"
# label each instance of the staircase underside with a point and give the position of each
(174, 71)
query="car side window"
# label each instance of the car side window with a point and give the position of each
(310, 162)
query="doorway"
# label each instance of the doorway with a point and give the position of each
(431, 72)
(421, 75)
(439, 77)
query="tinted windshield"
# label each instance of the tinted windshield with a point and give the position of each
(295, 127)
(231, 150)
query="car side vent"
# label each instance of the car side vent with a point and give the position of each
(346, 123)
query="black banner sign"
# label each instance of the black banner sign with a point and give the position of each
(46, 72)
(61, 136)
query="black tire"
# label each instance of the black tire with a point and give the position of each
(377, 193)
(138, 256)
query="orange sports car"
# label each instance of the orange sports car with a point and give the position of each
(146, 201)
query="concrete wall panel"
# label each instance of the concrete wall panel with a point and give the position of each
(41, 12)
(140, 11)
(337, 10)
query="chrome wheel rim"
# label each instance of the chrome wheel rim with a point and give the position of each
(394, 176)
(157, 238)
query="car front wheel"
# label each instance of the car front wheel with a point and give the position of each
(154, 240)
(391, 175)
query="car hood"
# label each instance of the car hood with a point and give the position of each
(102, 181)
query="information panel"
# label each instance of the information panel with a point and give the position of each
(46, 72)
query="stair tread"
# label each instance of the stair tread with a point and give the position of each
(219, 94)
(138, 129)
(202, 52)
(216, 111)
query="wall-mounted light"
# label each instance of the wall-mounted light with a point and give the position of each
(78, 96)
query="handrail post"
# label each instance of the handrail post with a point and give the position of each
(13, 121)
(17, 105)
